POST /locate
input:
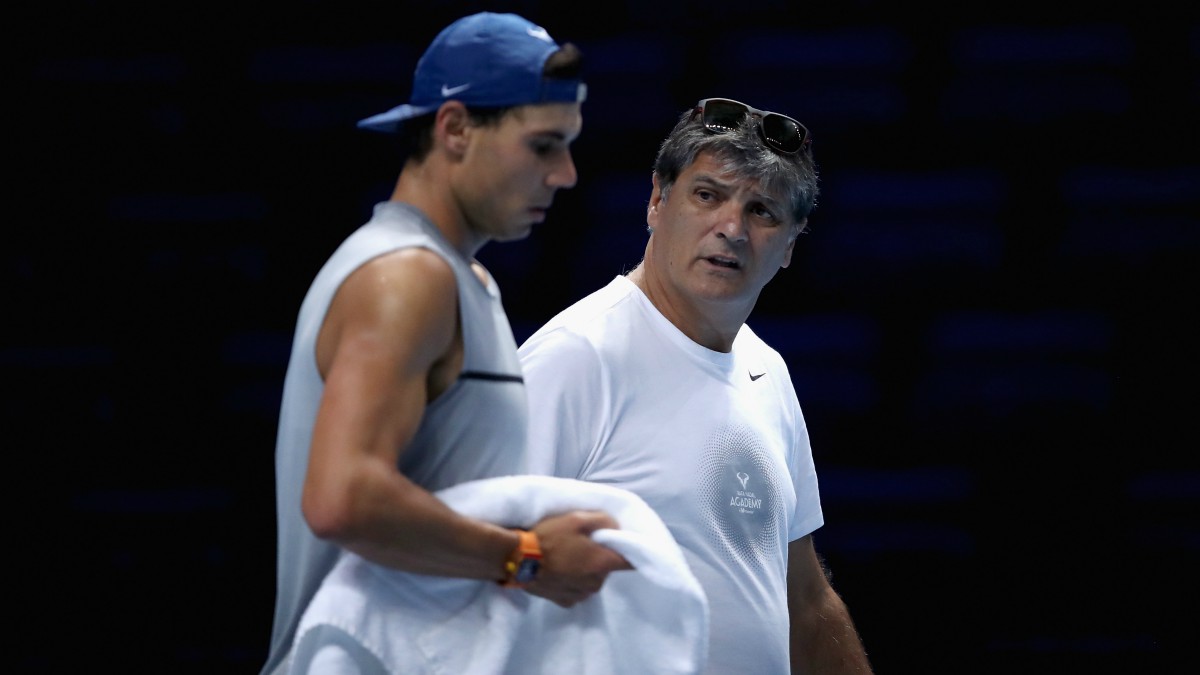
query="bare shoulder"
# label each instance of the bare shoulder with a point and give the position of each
(405, 298)
(404, 275)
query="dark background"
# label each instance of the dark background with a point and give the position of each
(990, 326)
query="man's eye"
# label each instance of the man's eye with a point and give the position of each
(544, 148)
(765, 213)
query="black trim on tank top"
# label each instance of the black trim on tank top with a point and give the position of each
(494, 377)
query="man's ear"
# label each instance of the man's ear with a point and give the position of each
(451, 127)
(655, 201)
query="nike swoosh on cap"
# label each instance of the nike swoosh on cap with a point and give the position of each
(539, 33)
(450, 91)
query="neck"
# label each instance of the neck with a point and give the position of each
(710, 324)
(420, 185)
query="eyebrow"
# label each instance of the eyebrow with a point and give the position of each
(709, 179)
(771, 203)
(549, 134)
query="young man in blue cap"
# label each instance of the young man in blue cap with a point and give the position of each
(403, 377)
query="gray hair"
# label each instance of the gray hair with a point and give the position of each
(790, 177)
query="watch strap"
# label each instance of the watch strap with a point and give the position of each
(524, 562)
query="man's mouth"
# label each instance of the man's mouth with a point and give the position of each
(721, 261)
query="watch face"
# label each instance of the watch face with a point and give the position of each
(528, 570)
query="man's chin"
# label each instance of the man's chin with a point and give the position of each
(514, 235)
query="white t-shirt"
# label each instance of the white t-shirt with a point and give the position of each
(714, 442)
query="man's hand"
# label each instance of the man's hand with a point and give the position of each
(574, 566)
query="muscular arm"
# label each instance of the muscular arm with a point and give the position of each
(390, 344)
(823, 636)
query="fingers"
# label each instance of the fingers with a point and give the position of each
(574, 566)
(561, 596)
(590, 521)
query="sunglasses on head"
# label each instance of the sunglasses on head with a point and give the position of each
(780, 132)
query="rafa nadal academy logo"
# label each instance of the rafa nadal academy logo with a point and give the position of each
(739, 494)
(745, 501)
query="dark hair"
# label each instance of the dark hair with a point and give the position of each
(416, 134)
(564, 64)
(743, 153)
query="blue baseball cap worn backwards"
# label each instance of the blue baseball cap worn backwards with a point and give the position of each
(485, 60)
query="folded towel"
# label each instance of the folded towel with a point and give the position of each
(653, 619)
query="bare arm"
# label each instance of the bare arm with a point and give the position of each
(823, 636)
(390, 343)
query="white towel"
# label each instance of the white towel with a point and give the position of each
(653, 619)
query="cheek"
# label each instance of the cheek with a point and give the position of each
(774, 252)
(787, 254)
(504, 178)
(518, 174)
(501, 165)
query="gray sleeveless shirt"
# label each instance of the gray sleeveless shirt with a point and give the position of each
(475, 429)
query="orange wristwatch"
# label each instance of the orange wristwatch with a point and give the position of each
(524, 562)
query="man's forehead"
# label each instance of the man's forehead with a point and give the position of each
(710, 169)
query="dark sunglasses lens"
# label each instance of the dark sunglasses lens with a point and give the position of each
(782, 133)
(723, 116)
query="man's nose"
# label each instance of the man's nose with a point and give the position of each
(732, 224)
(564, 174)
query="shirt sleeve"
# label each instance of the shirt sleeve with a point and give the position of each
(808, 516)
(564, 384)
